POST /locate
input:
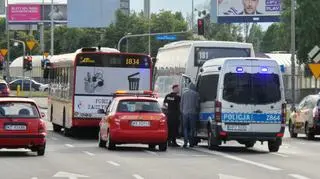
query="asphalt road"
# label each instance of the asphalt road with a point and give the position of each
(81, 158)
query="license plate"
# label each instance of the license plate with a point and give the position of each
(15, 127)
(140, 123)
(237, 128)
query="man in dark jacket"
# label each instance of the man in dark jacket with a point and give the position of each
(189, 107)
(172, 101)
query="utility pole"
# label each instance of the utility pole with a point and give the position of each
(192, 16)
(293, 49)
(7, 66)
(147, 14)
(52, 31)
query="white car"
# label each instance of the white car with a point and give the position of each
(43, 87)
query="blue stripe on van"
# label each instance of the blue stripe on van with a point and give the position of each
(205, 115)
(251, 118)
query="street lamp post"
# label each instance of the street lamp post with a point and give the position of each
(127, 44)
(293, 49)
(147, 34)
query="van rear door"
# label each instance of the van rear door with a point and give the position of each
(252, 97)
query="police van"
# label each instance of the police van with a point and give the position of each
(241, 99)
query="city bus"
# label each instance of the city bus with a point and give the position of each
(179, 62)
(82, 83)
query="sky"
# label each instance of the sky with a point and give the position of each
(184, 6)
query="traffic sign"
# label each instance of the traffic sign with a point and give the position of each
(46, 54)
(31, 44)
(315, 69)
(314, 54)
(3, 52)
(166, 37)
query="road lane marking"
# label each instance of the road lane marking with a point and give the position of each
(88, 153)
(34, 178)
(54, 138)
(261, 165)
(297, 176)
(150, 152)
(69, 145)
(136, 176)
(281, 155)
(199, 155)
(223, 176)
(113, 163)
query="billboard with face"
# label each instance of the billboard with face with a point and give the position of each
(233, 11)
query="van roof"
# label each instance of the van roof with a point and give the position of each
(221, 61)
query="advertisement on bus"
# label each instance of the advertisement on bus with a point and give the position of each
(232, 11)
(95, 85)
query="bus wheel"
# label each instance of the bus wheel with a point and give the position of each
(56, 128)
(66, 131)
(51, 113)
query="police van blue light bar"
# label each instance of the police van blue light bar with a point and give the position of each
(264, 69)
(239, 69)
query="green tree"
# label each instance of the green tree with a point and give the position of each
(255, 36)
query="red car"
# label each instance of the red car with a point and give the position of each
(21, 125)
(134, 118)
(4, 89)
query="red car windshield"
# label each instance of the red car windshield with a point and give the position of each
(18, 110)
(138, 106)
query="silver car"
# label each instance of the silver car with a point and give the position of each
(304, 119)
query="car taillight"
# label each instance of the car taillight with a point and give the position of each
(163, 121)
(283, 113)
(217, 111)
(116, 120)
(42, 127)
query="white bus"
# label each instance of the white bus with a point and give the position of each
(82, 83)
(186, 57)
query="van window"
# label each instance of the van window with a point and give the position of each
(245, 88)
(207, 87)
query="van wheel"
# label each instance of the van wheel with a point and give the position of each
(212, 141)
(102, 143)
(249, 144)
(274, 145)
(309, 134)
(291, 130)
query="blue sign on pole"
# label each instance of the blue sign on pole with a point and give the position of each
(166, 37)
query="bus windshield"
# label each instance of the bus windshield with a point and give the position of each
(163, 84)
(99, 75)
(103, 74)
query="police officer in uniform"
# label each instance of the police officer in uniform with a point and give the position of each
(172, 102)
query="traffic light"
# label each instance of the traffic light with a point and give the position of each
(200, 26)
(27, 63)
